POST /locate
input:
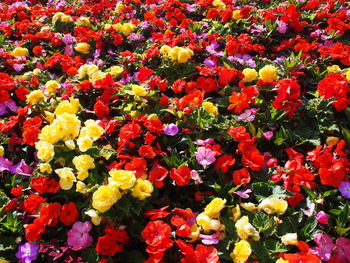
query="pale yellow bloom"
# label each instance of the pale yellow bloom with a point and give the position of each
(84, 143)
(290, 239)
(45, 151)
(139, 90)
(51, 87)
(236, 213)
(93, 130)
(83, 48)
(245, 229)
(123, 179)
(95, 218)
(103, 198)
(241, 252)
(214, 207)
(210, 108)
(67, 177)
(274, 205)
(45, 168)
(250, 74)
(236, 14)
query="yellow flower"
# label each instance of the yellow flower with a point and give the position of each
(93, 130)
(219, 4)
(174, 52)
(84, 143)
(119, 7)
(80, 186)
(123, 179)
(49, 116)
(51, 133)
(66, 19)
(210, 108)
(214, 207)
(69, 124)
(280, 260)
(165, 49)
(127, 28)
(241, 252)
(274, 205)
(84, 21)
(51, 87)
(249, 206)
(250, 74)
(245, 229)
(236, 14)
(66, 177)
(2, 151)
(71, 106)
(290, 239)
(45, 168)
(82, 71)
(348, 75)
(97, 76)
(331, 140)
(207, 223)
(83, 48)
(142, 189)
(138, 90)
(195, 231)
(83, 163)
(36, 71)
(35, 97)
(4, 261)
(115, 71)
(45, 150)
(56, 17)
(183, 56)
(268, 73)
(95, 218)
(334, 68)
(103, 198)
(20, 52)
(236, 213)
(70, 144)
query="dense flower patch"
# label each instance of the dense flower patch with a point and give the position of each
(175, 131)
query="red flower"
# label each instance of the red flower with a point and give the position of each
(120, 236)
(143, 74)
(32, 202)
(147, 151)
(157, 236)
(238, 133)
(33, 231)
(49, 214)
(157, 176)
(138, 165)
(101, 109)
(250, 155)
(206, 254)
(183, 228)
(69, 214)
(107, 246)
(130, 131)
(224, 162)
(335, 86)
(17, 191)
(181, 176)
(241, 176)
(157, 213)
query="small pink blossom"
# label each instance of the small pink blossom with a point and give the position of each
(78, 236)
(322, 218)
(205, 156)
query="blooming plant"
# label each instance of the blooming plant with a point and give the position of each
(175, 131)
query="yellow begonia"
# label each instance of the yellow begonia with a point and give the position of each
(195, 231)
(331, 140)
(115, 71)
(67, 177)
(71, 106)
(70, 126)
(210, 108)
(84, 143)
(214, 207)
(274, 205)
(208, 223)
(103, 198)
(165, 49)
(51, 87)
(83, 163)
(236, 14)
(93, 130)
(138, 90)
(35, 97)
(241, 252)
(123, 179)
(280, 260)
(83, 48)
(142, 189)
(219, 4)
(348, 75)
(45, 151)
(20, 52)
(236, 213)
(334, 68)
(245, 229)
(183, 56)
(56, 17)
(80, 186)
(95, 218)
(268, 73)
(290, 239)
(250, 74)
(2, 151)
(249, 206)
(70, 144)
(45, 168)
(84, 21)
(66, 19)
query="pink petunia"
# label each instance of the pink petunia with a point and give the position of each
(78, 236)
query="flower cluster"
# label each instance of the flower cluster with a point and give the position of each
(175, 131)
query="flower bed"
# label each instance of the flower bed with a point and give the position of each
(174, 131)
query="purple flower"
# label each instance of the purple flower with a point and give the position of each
(210, 239)
(171, 129)
(248, 115)
(68, 39)
(344, 189)
(243, 193)
(18, 67)
(78, 236)
(282, 27)
(205, 156)
(324, 247)
(5, 164)
(208, 141)
(27, 252)
(22, 168)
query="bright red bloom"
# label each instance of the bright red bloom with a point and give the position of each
(33, 231)
(147, 151)
(224, 162)
(239, 133)
(17, 191)
(250, 155)
(69, 214)
(101, 109)
(130, 131)
(181, 176)
(107, 246)
(157, 213)
(49, 214)
(241, 176)
(155, 232)
(183, 228)
(32, 202)
(138, 165)
(157, 176)
(335, 86)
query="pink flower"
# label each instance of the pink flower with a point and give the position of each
(78, 236)
(322, 218)
(324, 247)
(205, 156)
(341, 251)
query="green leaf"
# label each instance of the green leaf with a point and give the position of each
(274, 246)
(261, 252)
(346, 134)
(261, 221)
(280, 192)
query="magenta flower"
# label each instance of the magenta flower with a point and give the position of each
(205, 156)
(342, 248)
(171, 129)
(322, 218)
(27, 252)
(324, 247)
(78, 236)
